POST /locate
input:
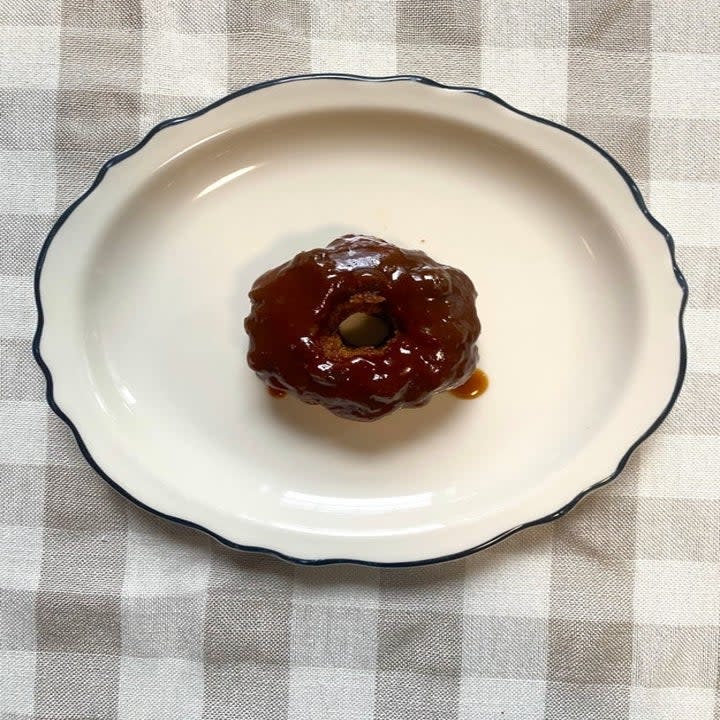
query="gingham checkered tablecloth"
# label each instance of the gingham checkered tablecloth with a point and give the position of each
(107, 612)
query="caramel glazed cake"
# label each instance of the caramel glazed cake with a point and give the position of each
(363, 328)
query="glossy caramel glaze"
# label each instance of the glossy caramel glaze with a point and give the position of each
(296, 310)
(473, 387)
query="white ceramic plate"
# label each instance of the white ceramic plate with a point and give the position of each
(142, 290)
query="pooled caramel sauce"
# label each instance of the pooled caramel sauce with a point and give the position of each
(474, 387)
(276, 392)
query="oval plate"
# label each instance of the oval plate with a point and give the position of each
(142, 288)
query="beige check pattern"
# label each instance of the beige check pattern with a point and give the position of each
(610, 613)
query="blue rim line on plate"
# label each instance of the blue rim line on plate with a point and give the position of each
(358, 78)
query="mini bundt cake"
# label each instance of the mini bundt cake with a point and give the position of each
(414, 334)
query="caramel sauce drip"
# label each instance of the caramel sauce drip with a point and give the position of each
(474, 387)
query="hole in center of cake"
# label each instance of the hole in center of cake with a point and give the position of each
(362, 329)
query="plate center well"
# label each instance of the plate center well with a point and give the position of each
(168, 293)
